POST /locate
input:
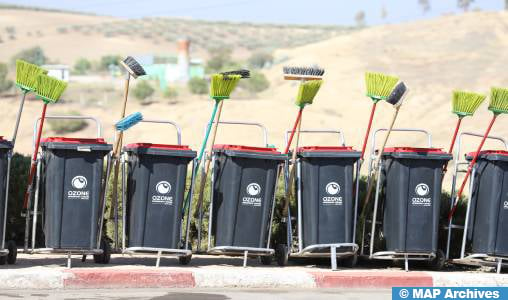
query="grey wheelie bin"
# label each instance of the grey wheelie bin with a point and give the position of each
(411, 179)
(488, 217)
(244, 182)
(70, 178)
(326, 204)
(156, 181)
(8, 250)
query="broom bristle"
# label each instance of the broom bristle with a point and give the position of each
(303, 73)
(133, 67)
(307, 91)
(397, 95)
(499, 100)
(129, 121)
(26, 75)
(379, 86)
(466, 103)
(243, 73)
(222, 85)
(49, 89)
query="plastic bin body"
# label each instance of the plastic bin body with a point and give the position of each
(72, 174)
(5, 148)
(412, 182)
(155, 192)
(488, 227)
(327, 189)
(244, 186)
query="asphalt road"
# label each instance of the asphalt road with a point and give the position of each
(195, 294)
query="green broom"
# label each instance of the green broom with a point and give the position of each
(463, 104)
(49, 90)
(498, 105)
(26, 80)
(221, 87)
(306, 94)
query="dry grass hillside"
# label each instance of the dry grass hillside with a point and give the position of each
(65, 37)
(433, 57)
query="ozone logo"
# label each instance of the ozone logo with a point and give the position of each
(505, 205)
(79, 182)
(163, 187)
(253, 189)
(332, 188)
(422, 189)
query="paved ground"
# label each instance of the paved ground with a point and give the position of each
(195, 294)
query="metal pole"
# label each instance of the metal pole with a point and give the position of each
(374, 216)
(36, 203)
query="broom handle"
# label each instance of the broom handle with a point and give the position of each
(18, 118)
(378, 159)
(450, 151)
(297, 121)
(292, 171)
(366, 138)
(206, 167)
(470, 168)
(33, 166)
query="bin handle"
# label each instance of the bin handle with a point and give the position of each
(374, 135)
(259, 125)
(339, 132)
(466, 133)
(95, 120)
(171, 123)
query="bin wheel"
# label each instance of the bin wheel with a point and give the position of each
(83, 258)
(266, 259)
(438, 262)
(185, 260)
(106, 253)
(13, 252)
(350, 261)
(282, 255)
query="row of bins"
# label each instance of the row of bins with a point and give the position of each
(70, 179)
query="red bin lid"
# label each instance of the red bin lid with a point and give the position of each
(325, 149)
(246, 149)
(73, 140)
(491, 152)
(157, 146)
(415, 150)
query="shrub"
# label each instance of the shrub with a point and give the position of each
(5, 84)
(109, 60)
(143, 90)
(257, 83)
(67, 126)
(82, 66)
(198, 86)
(170, 93)
(219, 59)
(260, 59)
(33, 55)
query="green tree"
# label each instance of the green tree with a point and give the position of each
(425, 5)
(109, 60)
(256, 83)
(5, 84)
(360, 18)
(170, 93)
(219, 59)
(464, 4)
(198, 85)
(33, 55)
(260, 59)
(82, 66)
(143, 90)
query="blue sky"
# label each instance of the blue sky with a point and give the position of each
(338, 12)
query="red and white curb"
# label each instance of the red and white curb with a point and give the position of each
(46, 278)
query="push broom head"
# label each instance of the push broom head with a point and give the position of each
(398, 94)
(303, 73)
(26, 75)
(498, 100)
(307, 91)
(129, 121)
(466, 103)
(49, 89)
(133, 67)
(379, 86)
(223, 84)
